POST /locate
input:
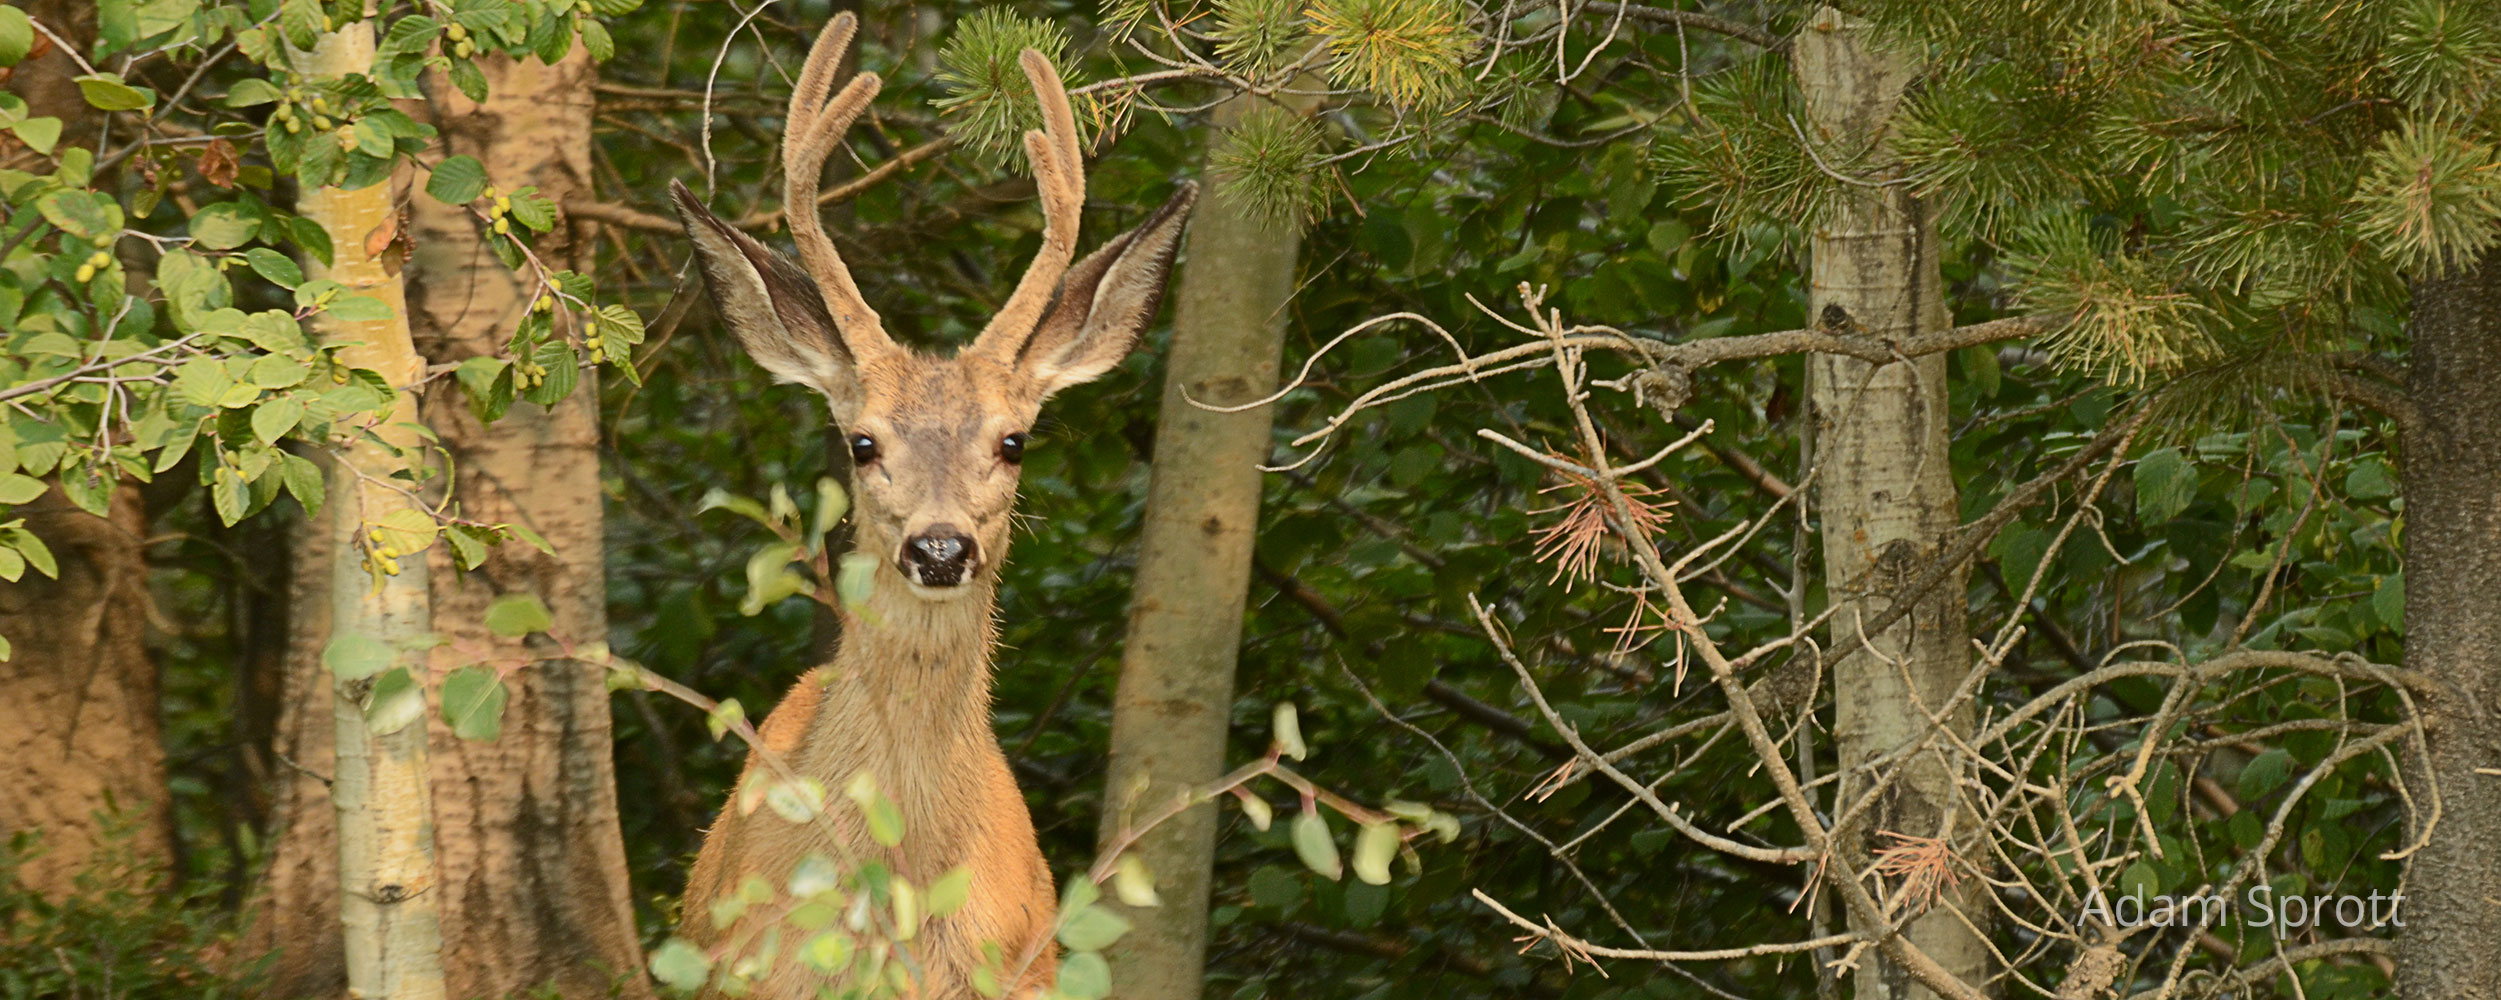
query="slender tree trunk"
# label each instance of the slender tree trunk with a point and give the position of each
(1887, 492)
(533, 864)
(388, 892)
(2453, 634)
(296, 912)
(1175, 699)
(78, 696)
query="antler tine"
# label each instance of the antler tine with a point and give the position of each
(1059, 180)
(814, 127)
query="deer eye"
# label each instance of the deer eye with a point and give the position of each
(863, 449)
(1012, 448)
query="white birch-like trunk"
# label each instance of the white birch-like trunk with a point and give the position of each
(387, 891)
(1887, 492)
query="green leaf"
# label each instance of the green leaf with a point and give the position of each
(1091, 928)
(17, 489)
(473, 702)
(797, 801)
(856, 580)
(224, 226)
(2370, 479)
(17, 36)
(885, 822)
(680, 965)
(1133, 882)
(2165, 484)
(457, 180)
(273, 419)
(2388, 601)
(39, 134)
(36, 552)
(107, 92)
(360, 309)
(724, 715)
(83, 214)
(229, 494)
(277, 371)
(515, 615)
(1289, 730)
(277, 267)
(534, 210)
(949, 893)
(397, 700)
(469, 545)
(620, 323)
(1315, 846)
(595, 41)
(355, 657)
(831, 504)
(303, 481)
(1085, 976)
(471, 80)
(2264, 774)
(405, 531)
(253, 91)
(814, 875)
(1375, 845)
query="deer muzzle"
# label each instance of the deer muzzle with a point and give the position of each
(941, 556)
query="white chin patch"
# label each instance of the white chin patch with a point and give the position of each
(928, 593)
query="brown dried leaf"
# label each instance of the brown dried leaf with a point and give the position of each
(218, 164)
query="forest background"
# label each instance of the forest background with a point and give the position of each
(1765, 500)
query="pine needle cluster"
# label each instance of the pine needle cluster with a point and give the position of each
(1256, 38)
(986, 93)
(1270, 164)
(2431, 197)
(2130, 317)
(1745, 162)
(1408, 52)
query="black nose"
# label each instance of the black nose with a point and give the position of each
(940, 555)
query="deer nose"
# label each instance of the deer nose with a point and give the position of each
(939, 556)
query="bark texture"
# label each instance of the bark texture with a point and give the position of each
(1887, 493)
(2452, 475)
(388, 893)
(1174, 706)
(296, 912)
(532, 861)
(78, 696)
(78, 719)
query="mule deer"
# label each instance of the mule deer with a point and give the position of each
(935, 446)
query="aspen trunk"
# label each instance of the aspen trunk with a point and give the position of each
(1887, 493)
(78, 696)
(2453, 633)
(388, 893)
(1170, 719)
(533, 864)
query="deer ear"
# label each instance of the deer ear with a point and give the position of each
(772, 306)
(1107, 300)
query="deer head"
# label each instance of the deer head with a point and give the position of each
(936, 442)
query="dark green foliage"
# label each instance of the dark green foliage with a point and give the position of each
(123, 932)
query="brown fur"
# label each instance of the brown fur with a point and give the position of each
(907, 697)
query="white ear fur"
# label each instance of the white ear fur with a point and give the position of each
(772, 306)
(1107, 300)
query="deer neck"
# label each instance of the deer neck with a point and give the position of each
(907, 698)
